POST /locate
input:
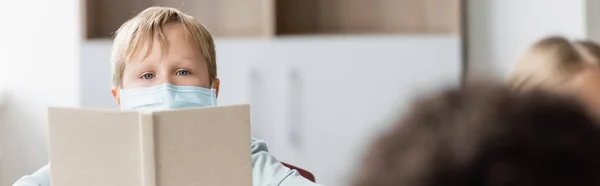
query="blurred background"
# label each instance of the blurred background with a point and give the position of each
(322, 76)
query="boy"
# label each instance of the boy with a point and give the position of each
(163, 59)
(487, 136)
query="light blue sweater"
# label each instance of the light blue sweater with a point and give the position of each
(266, 171)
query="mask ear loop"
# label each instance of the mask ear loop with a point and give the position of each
(213, 94)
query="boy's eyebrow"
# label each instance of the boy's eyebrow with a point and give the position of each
(183, 60)
(188, 59)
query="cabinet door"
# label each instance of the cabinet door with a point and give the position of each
(95, 74)
(233, 69)
(246, 79)
(342, 92)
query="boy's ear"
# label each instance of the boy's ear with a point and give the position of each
(216, 85)
(115, 93)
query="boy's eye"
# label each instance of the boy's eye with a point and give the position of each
(147, 76)
(183, 73)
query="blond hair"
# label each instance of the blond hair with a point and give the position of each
(548, 64)
(147, 26)
(589, 50)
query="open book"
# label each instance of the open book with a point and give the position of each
(205, 146)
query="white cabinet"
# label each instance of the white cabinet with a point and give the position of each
(242, 82)
(95, 73)
(317, 101)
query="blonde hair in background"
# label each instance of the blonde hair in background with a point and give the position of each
(549, 64)
(148, 25)
(590, 51)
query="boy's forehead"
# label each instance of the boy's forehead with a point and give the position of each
(173, 43)
(144, 52)
(156, 54)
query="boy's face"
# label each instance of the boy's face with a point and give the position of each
(180, 65)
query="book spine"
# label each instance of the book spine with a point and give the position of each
(146, 125)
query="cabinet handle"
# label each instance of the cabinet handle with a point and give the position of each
(295, 109)
(254, 99)
(253, 82)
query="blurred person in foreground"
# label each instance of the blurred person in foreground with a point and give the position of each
(487, 136)
(559, 65)
(163, 59)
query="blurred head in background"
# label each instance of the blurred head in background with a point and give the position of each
(559, 65)
(487, 136)
(589, 50)
(549, 64)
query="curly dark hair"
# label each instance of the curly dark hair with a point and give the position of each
(487, 136)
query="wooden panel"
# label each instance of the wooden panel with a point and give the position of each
(374, 16)
(291, 16)
(232, 18)
(264, 18)
(223, 18)
(442, 16)
(104, 17)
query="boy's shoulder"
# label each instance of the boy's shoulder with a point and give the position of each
(258, 145)
(41, 177)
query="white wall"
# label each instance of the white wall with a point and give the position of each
(592, 12)
(38, 68)
(499, 30)
(95, 72)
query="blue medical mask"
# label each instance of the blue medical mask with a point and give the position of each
(167, 97)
